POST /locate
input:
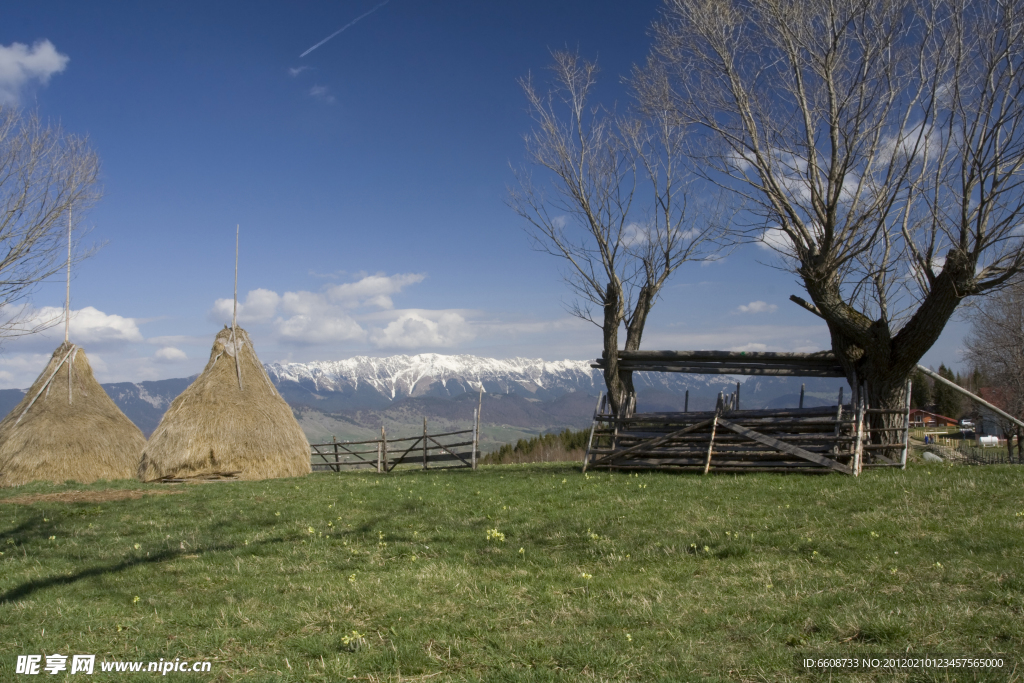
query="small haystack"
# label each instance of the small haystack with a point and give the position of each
(67, 427)
(230, 423)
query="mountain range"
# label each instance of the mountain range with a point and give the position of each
(350, 399)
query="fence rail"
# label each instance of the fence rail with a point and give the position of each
(442, 450)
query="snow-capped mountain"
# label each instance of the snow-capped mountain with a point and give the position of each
(376, 382)
(432, 374)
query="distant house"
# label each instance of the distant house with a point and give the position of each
(990, 423)
(922, 418)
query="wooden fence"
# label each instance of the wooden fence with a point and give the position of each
(444, 450)
(823, 439)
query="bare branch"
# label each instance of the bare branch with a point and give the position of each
(45, 177)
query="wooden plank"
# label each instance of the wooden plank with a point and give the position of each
(454, 445)
(656, 442)
(720, 465)
(824, 411)
(778, 356)
(449, 445)
(464, 431)
(711, 444)
(785, 447)
(593, 427)
(732, 370)
(407, 451)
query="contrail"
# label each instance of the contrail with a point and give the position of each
(348, 25)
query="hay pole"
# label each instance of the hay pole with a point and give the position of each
(67, 307)
(46, 385)
(234, 317)
(711, 444)
(67, 296)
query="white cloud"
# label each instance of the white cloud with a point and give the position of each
(319, 329)
(752, 346)
(169, 354)
(635, 234)
(20, 64)
(322, 93)
(296, 70)
(414, 329)
(325, 317)
(259, 307)
(758, 307)
(776, 239)
(743, 338)
(88, 325)
(373, 290)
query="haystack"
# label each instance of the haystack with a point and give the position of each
(230, 423)
(67, 427)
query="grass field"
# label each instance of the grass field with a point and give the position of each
(519, 573)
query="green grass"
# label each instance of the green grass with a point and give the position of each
(606, 577)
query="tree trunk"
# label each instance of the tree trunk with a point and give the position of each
(871, 354)
(618, 390)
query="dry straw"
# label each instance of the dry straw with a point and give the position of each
(67, 428)
(216, 428)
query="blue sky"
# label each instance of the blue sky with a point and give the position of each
(369, 179)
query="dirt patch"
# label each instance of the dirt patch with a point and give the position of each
(104, 496)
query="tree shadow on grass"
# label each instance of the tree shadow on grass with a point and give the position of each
(29, 587)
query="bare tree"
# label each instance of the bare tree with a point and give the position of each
(47, 178)
(877, 145)
(995, 349)
(616, 209)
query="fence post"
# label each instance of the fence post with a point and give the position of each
(378, 457)
(424, 443)
(906, 429)
(384, 447)
(337, 466)
(476, 432)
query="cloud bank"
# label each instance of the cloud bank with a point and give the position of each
(20, 65)
(361, 311)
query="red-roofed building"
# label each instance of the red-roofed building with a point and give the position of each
(922, 418)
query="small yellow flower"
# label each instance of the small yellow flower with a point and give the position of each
(629, 638)
(137, 546)
(135, 599)
(351, 578)
(939, 565)
(45, 519)
(707, 549)
(277, 514)
(522, 551)
(874, 535)
(310, 530)
(586, 576)
(54, 538)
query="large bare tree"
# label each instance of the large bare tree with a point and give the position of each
(613, 202)
(877, 145)
(995, 349)
(47, 178)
